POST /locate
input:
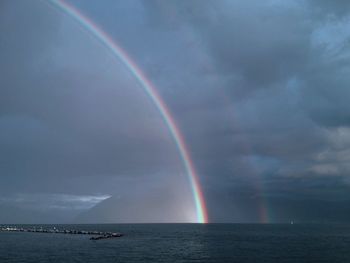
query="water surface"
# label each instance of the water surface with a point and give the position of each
(183, 243)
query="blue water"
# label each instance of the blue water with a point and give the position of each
(184, 243)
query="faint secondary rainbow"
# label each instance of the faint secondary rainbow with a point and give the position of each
(118, 52)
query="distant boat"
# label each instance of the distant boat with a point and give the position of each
(292, 222)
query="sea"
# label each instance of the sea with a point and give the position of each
(182, 243)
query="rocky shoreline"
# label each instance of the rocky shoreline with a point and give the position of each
(97, 235)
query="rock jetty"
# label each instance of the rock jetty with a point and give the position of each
(96, 235)
(106, 236)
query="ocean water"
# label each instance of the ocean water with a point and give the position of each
(183, 243)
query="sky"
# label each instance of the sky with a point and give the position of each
(258, 89)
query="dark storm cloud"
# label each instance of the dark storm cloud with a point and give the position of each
(282, 69)
(258, 88)
(329, 7)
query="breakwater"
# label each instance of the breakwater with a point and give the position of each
(96, 235)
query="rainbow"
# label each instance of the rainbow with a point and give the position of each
(120, 54)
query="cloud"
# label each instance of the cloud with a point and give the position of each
(73, 119)
(43, 202)
(258, 89)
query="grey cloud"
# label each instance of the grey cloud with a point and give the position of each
(254, 101)
(328, 7)
(258, 89)
(72, 127)
(44, 202)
